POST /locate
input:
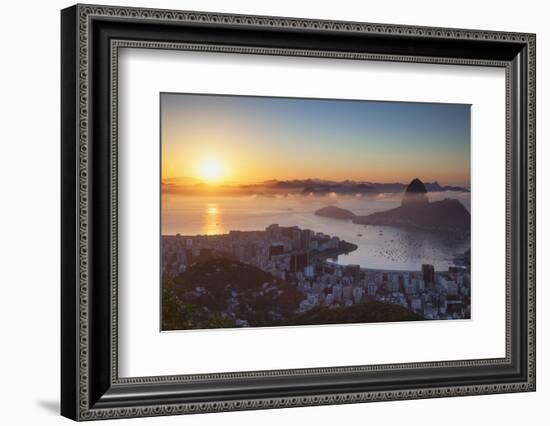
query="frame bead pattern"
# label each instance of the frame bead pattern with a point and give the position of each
(87, 12)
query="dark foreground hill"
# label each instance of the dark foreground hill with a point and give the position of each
(217, 291)
(367, 312)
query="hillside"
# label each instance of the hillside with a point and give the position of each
(335, 212)
(367, 312)
(224, 290)
(415, 211)
(444, 215)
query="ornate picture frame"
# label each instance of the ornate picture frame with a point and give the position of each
(91, 37)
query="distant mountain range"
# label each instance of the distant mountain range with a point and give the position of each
(182, 181)
(319, 186)
(304, 186)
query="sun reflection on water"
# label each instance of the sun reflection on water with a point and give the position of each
(212, 225)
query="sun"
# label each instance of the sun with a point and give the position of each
(211, 170)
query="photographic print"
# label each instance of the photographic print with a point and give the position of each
(296, 211)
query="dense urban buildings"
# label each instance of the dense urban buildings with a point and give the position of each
(299, 265)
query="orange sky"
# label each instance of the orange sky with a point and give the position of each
(226, 139)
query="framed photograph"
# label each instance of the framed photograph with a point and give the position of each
(264, 212)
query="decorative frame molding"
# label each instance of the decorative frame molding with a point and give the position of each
(87, 397)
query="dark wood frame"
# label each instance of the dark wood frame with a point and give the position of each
(90, 386)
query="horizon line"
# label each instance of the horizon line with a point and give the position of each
(257, 182)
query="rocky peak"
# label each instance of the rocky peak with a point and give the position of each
(415, 193)
(416, 186)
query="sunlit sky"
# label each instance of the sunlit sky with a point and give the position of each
(241, 139)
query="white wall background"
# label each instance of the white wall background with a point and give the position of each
(29, 211)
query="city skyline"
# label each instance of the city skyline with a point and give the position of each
(224, 140)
